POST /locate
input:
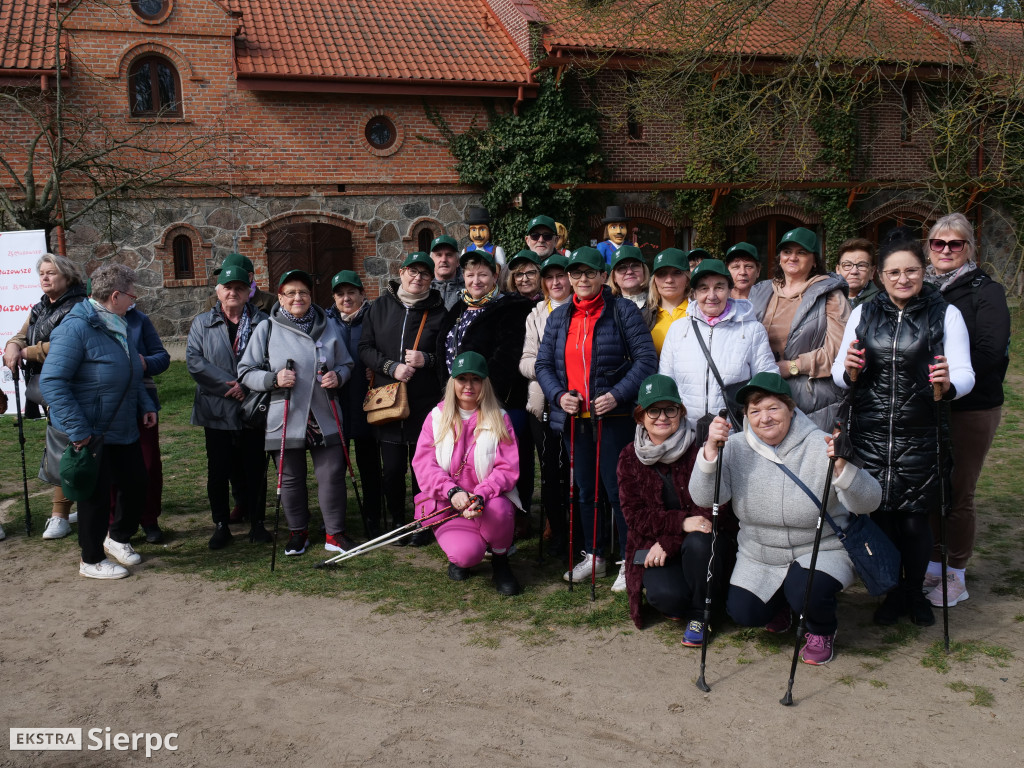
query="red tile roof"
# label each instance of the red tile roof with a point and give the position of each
(879, 30)
(27, 35)
(997, 43)
(449, 41)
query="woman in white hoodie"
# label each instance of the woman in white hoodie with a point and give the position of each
(732, 335)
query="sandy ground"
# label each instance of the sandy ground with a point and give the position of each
(257, 679)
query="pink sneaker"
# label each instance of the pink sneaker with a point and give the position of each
(956, 591)
(781, 621)
(818, 649)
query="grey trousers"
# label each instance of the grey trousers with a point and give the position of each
(329, 469)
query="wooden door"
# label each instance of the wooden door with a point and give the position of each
(323, 250)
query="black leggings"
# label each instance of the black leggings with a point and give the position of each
(395, 460)
(677, 588)
(748, 610)
(912, 535)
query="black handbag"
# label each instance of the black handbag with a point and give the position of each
(874, 556)
(257, 403)
(730, 391)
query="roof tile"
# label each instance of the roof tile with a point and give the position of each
(28, 35)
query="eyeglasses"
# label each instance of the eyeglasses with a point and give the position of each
(894, 274)
(579, 274)
(131, 296)
(545, 236)
(417, 274)
(629, 266)
(955, 246)
(669, 412)
(528, 274)
(859, 266)
(297, 295)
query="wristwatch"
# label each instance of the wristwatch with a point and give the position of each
(793, 368)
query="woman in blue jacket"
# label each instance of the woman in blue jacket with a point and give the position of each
(595, 353)
(92, 380)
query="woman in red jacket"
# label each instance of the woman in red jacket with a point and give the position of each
(673, 533)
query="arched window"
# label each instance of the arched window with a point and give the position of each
(183, 264)
(424, 239)
(154, 88)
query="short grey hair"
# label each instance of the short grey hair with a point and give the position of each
(64, 266)
(958, 223)
(110, 278)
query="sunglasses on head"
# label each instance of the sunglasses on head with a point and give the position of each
(955, 246)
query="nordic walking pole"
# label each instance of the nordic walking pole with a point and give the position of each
(943, 501)
(21, 440)
(701, 683)
(332, 397)
(572, 483)
(787, 700)
(289, 365)
(597, 503)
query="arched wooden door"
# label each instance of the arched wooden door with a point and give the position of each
(323, 250)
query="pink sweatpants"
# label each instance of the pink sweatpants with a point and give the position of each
(466, 541)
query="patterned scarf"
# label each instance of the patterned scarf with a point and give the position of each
(304, 323)
(942, 282)
(472, 303)
(244, 329)
(116, 324)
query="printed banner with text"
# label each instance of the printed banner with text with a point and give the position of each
(19, 289)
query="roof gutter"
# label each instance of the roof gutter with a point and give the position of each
(380, 86)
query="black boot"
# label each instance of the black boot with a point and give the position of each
(422, 538)
(919, 608)
(458, 573)
(894, 606)
(258, 534)
(504, 580)
(221, 536)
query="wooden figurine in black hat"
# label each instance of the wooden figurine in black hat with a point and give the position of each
(479, 222)
(616, 227)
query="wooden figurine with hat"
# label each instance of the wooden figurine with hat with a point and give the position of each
(479, 222)
(616, 227)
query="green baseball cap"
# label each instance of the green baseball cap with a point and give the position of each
(346, 277)
(444, 240)
(479, 254)
(470, 362)
(627, 253)
(585, 256)
(296, 274)
(742, 251)
(670, 257)
(658, 388)
(541, 221)
(710, 267)
(419, 257)
(233, 274)
(772, 383)
(554, 260)
(802, 237)
(524, 255)
(236, 260)
(697, 253)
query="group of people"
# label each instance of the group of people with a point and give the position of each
(610, 369)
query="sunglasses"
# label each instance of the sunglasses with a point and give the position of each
(955, 246)
(545, 236)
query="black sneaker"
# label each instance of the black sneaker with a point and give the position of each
(920, 610)
(221, 536)
(457, 572)
(894, 606)
(260, 535)
(422, 538)
(297, 543)
(153, 533)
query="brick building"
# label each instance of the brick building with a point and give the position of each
(306, 125)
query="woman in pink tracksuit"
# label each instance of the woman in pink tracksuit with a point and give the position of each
(467, 458)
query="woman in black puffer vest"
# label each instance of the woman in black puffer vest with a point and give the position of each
(901, 344)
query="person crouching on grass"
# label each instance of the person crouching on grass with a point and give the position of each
(467, 458)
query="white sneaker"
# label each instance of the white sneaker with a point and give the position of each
(104, 569)
(73, 517)
(56, 528)
(582, 571)
(931, 582)
(956, 591)
(620, 580)
(123, 553)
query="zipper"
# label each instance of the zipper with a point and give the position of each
(707, 373)
(892, 408)
(401, 339)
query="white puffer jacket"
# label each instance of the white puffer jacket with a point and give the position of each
(739, 345)
(536, 321)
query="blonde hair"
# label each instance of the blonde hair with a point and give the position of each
(958, 223)
(490, 416)
(644, 284)
(561, 234)
(654, 297)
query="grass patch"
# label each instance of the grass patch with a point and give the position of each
(980, 695)
(936, 657)
(848, 680)
(878, 683)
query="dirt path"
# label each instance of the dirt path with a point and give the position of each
(257, 679)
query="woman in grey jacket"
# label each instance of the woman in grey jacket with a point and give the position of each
(777, 518)
(299, 331)
(216, 342)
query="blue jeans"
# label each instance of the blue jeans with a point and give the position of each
(616, 433)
